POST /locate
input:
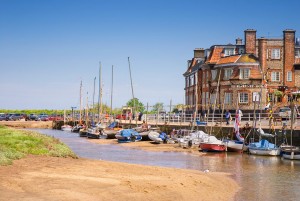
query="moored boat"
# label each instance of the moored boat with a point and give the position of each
(264, 148)
(292, 153)
(128, 135)
(66, 127)
(212, 144)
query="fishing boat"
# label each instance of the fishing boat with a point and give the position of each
(128, 135)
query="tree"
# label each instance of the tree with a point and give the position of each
(158, 107)
(178, 108)
(137, 104)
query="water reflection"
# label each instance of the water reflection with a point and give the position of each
(261, 178)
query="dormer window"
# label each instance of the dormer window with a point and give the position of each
(228, 51)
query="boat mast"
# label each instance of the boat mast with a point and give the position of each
(215, 101)
(134, 108)
(80, 94)
(112, 84)
(100, 94)
(94, 101)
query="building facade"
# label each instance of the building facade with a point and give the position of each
(260, 72)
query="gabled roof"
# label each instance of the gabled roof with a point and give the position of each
(215, 55)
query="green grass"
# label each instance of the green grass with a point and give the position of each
(16, 144)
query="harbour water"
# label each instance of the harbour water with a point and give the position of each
(260, 178)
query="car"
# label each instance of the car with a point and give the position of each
(55, 117)
(43, 117)
(32, 117)
(2, 117)
(15, 117)
(284, 112)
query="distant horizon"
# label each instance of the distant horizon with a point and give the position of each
(48, 47)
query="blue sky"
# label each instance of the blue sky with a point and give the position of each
(48, 46)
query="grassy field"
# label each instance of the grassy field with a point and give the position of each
(15, 144)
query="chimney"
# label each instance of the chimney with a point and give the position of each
(238, 41)
(262, 53)
(199, 53)
(288, 55)
(250, 41)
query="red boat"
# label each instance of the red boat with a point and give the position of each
(212, 144)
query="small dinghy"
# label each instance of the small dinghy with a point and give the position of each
(128, 135)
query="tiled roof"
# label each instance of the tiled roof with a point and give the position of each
(229, 59)
(247, 58)
(215, 55)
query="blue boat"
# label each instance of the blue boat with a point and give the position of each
(128, 135)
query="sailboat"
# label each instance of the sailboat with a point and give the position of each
(65, 127)
(79, 126)
(236, 145)
(211, 143)
(289, 151)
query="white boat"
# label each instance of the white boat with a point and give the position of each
(66, 128)
(235, 146)
(292, 153)
(192, 139)
(157, 137)
(264, 148)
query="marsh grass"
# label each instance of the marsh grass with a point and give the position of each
(15, 144)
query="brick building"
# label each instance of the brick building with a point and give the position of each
(240, 75)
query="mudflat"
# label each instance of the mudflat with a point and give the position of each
(52, 178)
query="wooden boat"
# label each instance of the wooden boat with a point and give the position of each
(128, 135)
(83, 132)
(264, 148)
(212, 144)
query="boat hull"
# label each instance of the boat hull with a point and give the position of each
(264, 152)
(291, 154)
(66, 128)
(235, 146)
(212, 147)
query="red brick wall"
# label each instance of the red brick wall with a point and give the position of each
(289, 56)
(250, 41)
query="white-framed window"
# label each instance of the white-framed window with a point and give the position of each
(275, 76)
(213, 74)
(228, 98)
(275, 54)
(229, 51)
(289, 76)
(256, 97)
(297, 53)
(227, 73)
(244, 73)
(243, 97)
(270, 97)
